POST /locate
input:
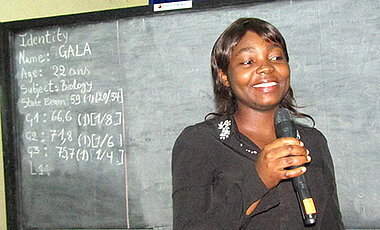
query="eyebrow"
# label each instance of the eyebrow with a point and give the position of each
(252, 49)
(246, 49)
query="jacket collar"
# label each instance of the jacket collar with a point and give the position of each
(224, 128)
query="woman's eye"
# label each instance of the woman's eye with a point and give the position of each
(276, 58)
(247, 62)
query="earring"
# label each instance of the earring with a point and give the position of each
(223, 78)
(226, 83)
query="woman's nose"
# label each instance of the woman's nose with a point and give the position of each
(265, 68)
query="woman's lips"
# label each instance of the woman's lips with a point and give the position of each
(265, 86)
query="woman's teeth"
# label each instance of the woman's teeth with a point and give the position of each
(266, 84)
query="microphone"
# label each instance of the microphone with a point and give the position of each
(285, 127)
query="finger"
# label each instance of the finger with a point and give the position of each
(293, 161)
(284, 141)
(286, 151)
(291, 173)
(292, 150)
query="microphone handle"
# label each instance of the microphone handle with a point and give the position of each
(285, 128)
(305, 200)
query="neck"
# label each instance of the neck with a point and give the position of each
(254, 119)
(256, 125)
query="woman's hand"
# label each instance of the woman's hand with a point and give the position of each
(277, 156)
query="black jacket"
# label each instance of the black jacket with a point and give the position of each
(215, 181)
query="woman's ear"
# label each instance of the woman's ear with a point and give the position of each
(223, 78)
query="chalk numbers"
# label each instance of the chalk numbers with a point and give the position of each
(61, 116)
(59, 70)
(62, 105)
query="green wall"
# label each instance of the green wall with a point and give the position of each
(14, 10)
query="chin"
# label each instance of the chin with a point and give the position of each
(266, 108)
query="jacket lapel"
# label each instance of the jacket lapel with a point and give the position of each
(224, 130)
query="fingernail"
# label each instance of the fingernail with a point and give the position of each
(307, 152)
(308, 158)
(302, 144)
(303, 169)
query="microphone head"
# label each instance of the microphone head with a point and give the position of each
(281, 115)
(284, 125)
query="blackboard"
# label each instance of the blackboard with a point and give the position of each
(92, 106)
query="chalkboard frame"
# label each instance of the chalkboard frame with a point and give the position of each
(8, 106)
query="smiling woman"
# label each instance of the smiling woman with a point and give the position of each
(231, 171)
(258, 73)
(225, 51)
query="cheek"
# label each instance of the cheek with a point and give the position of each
(239, 77)
(285, 73)
(286, 76)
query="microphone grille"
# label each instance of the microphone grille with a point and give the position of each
(281, 115)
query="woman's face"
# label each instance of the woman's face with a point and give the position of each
(258, 73)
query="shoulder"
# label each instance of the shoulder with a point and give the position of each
(196, 144)
(207, 128)
(316, 142)
(200, 137)
(310, 133)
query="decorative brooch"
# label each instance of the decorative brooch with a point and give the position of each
(225, 127)
(298, 135)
